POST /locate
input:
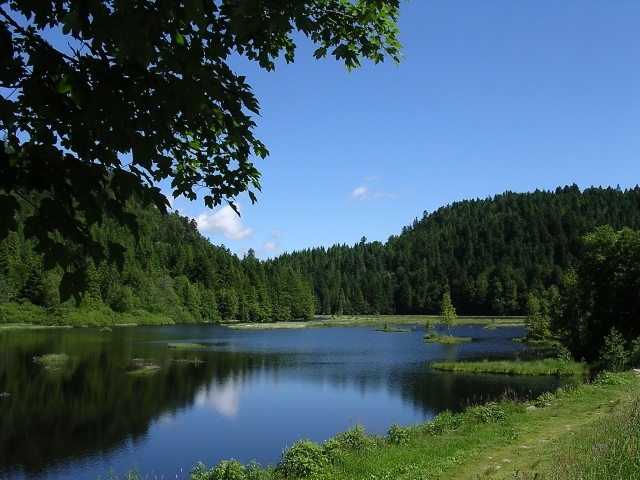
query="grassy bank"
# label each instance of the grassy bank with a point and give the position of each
(587, 431)
(25, 315)
(14, 315)
(547, 366)
(377, 321)
(446, 339)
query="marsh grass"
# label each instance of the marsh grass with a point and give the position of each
(186, 345)
(393, 330)
(54, 359)
(548, 366)
(375, 320)
(447, 340)
(145, 370)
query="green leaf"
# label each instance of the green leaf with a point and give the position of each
(64, 85)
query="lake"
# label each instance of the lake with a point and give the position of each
(250, 393)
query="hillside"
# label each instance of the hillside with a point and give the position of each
(173, 274)
(488, 253)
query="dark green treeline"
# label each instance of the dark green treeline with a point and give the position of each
(173, 274)
(488, 253)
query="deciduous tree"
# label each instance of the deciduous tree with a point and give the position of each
(103, 99)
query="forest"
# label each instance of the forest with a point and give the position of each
(491, 255)
(171, 275)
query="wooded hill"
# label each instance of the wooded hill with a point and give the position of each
(489, 254)
(173, 274)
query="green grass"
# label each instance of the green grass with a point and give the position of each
(607, 448)
(145, 370)
(548, 366)
(446, 339)
(588, 431)
(53, 359)
(377, 321)
(186, 345)
(393, 330)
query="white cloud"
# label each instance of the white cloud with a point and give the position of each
(380, 193)
(270, 246)
(276, 234)
(225, 222)
(360, 192)
(363, 191)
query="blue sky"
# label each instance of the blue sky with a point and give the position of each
(492, 96)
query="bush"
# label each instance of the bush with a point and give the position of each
(398, 435)
(302, 460)
(613, 354)
(225, 470)
(488, 413)
(543, 400)
(444, 422)
(609, 378)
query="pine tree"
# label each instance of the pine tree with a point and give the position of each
(448, 315)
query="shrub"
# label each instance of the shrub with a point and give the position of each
(488, 413)
(354, 439)
(609, 378)
(613, 354)
(302, 460)
(225, 470)
(544, 399)
(398, 435)
(444, 422)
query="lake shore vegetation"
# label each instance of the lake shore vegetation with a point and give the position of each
(446, 339)
(175, 275)
(547, 366)
(186, 345)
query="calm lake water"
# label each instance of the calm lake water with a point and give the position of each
(254, 393)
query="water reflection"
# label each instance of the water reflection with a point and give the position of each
(249, 393)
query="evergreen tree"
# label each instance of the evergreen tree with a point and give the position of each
(448, 315)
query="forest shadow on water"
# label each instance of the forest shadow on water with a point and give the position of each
(124, 397)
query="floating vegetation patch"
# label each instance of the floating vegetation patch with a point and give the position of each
(393, 330)
(548, 366)
(187, 360)
(447, 340)
(145, 370)
(186, 345)
(140, 366)
(54, 359)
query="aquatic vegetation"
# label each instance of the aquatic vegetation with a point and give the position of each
(52, 359)
(186, 345)
(548, 366)
(446, 339)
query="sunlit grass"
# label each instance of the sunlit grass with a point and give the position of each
(607, 448)
(548, 366)
(446, 339)
(53, 359)
(186, 345)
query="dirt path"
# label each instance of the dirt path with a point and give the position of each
(529, 451)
